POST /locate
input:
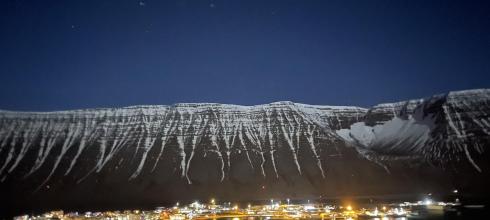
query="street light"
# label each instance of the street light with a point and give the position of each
(287, 200)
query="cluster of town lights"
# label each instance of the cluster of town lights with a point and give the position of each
(275, 209)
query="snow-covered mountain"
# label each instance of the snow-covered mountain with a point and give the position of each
(225, 147)
(134, 132)
(441, 128)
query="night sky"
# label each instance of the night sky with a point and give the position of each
(57, 55)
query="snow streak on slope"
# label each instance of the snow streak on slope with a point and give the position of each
(253, 130)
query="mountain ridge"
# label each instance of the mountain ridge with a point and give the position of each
(479, 90)
(186, 150)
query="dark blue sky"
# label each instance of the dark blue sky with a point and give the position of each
(109, 53)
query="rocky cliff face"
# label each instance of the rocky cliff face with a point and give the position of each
(197, 150)
(440, 129)
(131, 133)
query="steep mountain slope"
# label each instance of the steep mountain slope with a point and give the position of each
(155, 154)
(441, 129)
(228, 128)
